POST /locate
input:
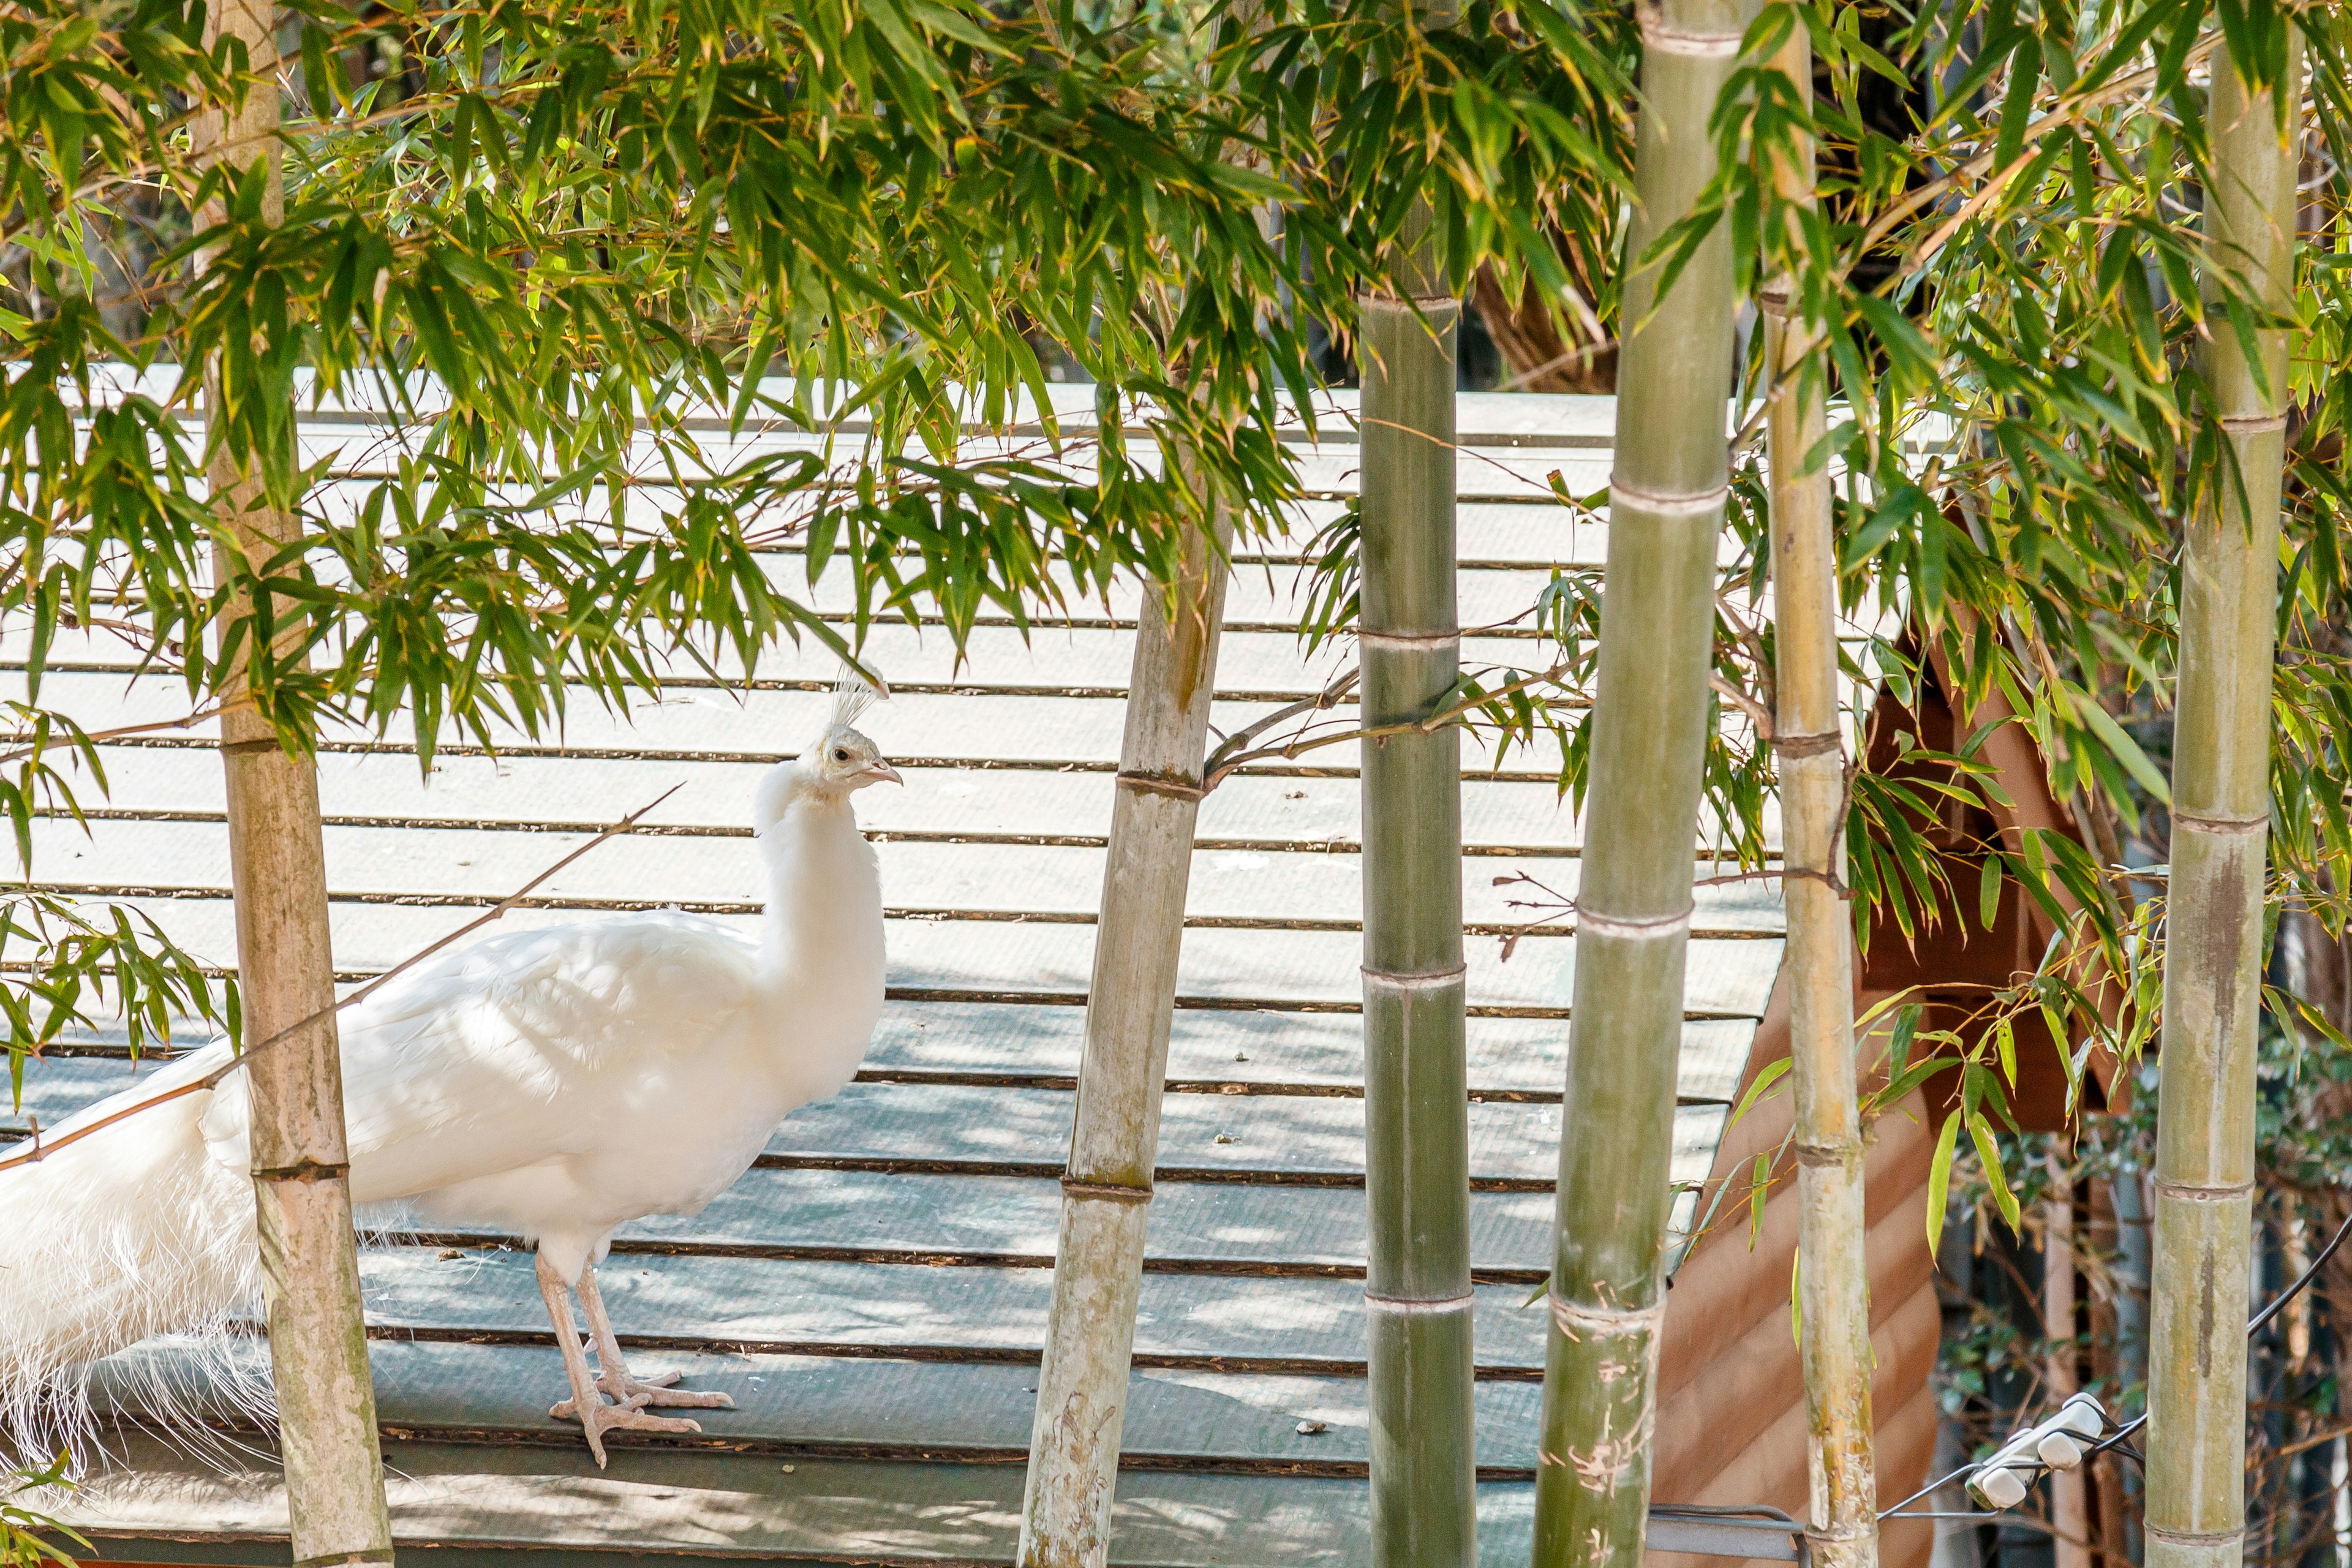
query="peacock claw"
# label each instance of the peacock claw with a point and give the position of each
(614, 1375)
(637, 1391)
(602, 1418)
(569, 1409)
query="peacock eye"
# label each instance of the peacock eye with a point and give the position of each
(841, 754)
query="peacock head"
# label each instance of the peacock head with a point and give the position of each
(846, 760)
(840, 761)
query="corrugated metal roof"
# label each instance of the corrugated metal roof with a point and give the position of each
(873, 1292)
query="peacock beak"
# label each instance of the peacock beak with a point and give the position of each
(879, 770)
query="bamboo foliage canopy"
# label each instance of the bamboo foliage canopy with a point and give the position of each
(545, 241)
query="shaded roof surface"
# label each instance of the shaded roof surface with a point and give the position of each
(873, 1292)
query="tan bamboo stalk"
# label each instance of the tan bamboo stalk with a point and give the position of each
(2070, 1509)
(1417, 1292)
(2129, 1192)
(1074, 1440)
(286, 971)
(2221, 820)
(1666, 496)
(1833, 1274)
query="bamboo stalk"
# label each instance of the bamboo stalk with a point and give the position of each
(2070, 1504)
(1417, 1111)
(2128, 1190)
(1106, 1192)
(1834, 1273)
(286, 972)
(2221, 820)
(1657, 624)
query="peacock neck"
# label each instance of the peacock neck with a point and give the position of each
(824, 916)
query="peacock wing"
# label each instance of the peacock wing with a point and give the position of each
(518, 1051)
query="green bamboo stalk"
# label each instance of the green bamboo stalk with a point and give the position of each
(1416, 1119)
(286, 972)
(1833, 1274)
(1657, 624)
(2221, 821)
(1074, 1441)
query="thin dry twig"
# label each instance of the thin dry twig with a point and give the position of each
(42, 1148)
(1226, 760)
(2064, 114)
(1331, 696)
(1757, 714)
(1562, 906)
(201, 716)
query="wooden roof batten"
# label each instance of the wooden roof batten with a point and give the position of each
(873, 1291)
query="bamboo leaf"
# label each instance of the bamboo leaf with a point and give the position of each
(1981, 1133)
(1939, 1180)
(1759, 1087)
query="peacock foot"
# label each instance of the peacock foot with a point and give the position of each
(638, 1390)
(569, 1409)
(602, 1418)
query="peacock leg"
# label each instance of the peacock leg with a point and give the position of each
(653, 1388)
(586, 1405)
(554, 1292)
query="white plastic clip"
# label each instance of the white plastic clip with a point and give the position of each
(2057, 1442)
(2060, 1441)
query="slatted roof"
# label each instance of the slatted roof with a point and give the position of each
(873, 1292)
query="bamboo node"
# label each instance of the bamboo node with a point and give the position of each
(1580, 1321)
(1422, 304)
(1809, 745)
(1113, 1192)
(1420, 1306)
(1692, 504)
(1170, 784)
(1841, 1535)
(1434, 979)
(1827, 1155)
(303, 1171)
(2218, 822)
(2253, 423)
(339, 1559)
(1632, 929)
(1672, 41)
(2195, 1537)
(1425, 640)
(246, 748)
(2211, 1193)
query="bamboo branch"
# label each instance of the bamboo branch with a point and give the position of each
(1083, 1379)
(2066, 114)
(1225, 761)
(298, 1152)
(99, 737)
